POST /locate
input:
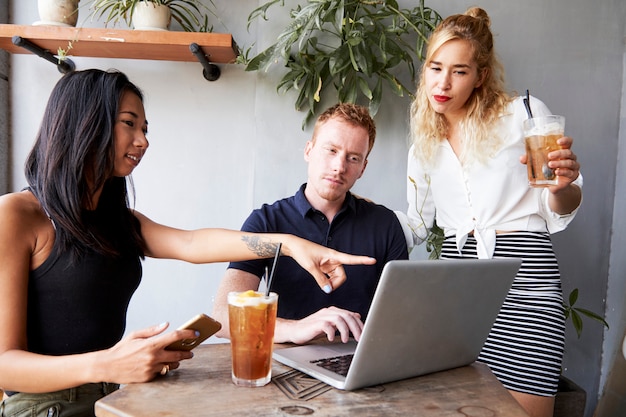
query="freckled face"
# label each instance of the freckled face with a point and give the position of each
(131, 128)
(337, 157)
(450, 78)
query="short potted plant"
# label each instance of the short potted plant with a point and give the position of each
(188, 13)
(57, 12)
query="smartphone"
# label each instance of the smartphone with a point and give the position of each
(201, 323)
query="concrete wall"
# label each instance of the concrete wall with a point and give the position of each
(220, 149)
(613, 400)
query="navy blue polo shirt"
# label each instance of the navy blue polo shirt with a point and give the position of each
(360, 228)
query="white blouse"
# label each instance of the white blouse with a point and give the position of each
(481, 197)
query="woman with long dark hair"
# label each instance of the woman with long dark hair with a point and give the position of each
(71, 250)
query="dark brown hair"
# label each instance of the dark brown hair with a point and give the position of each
(73, 157)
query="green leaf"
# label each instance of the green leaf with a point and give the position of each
(262, 61)
(394, 84)
(261, 11)
(575, 313)
(377, 95)
(339, 15)
(347, 91)
(364, 59)
(355, 65)
(339, 60)
(590, 314)
(355, 37)
(365, 88)
(577, 322)
(382, 42)
(307, 120)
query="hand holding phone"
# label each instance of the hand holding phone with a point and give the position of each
(201, 323)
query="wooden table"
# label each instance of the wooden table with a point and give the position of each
(202, 387)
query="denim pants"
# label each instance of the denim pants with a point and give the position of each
(72, 402)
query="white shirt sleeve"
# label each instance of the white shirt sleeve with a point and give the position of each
(554, 221)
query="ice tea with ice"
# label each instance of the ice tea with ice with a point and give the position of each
(252, 319)
(541, 134)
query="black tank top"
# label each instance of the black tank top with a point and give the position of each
(80, 305)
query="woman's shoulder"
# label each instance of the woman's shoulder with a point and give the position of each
(25, 229)
(17, 201)
(21, 207)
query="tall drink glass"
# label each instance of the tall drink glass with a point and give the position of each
(252, 319)
(540, 136)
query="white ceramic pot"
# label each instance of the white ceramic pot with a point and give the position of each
(57, 12)
(151, 16)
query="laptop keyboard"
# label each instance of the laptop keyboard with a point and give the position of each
(337, 364)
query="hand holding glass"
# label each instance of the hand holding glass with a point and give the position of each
(540, 136)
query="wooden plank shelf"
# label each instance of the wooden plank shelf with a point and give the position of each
(122, 43)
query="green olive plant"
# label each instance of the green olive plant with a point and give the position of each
(355, 46)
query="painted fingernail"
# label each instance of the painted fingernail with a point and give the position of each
(327, 289)
(197, 333)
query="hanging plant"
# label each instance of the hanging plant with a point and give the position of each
(348, 47)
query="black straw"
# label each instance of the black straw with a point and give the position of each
(527, 105)
(271, 276)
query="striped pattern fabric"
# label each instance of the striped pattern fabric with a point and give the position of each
(525, 346)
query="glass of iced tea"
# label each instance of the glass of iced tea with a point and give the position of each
(540, 136)
(252, 319)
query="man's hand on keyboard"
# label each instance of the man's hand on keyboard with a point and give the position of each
(328, 321)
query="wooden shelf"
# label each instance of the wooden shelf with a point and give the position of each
(122, 43)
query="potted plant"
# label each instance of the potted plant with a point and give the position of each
(57, 12)
(188, 13)
(353, 47)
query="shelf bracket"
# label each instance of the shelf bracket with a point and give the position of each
(64, 66)
(211, 72)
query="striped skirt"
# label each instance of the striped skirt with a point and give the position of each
(525, 346)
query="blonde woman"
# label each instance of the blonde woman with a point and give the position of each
(466, 171)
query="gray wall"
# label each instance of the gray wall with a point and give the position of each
(220, 149)
(613, 401)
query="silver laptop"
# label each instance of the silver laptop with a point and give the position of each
(426, 316)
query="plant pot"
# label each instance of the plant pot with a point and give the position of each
(570, 399)
(57, 12)
(151, 16)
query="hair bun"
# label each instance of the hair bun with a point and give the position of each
(479, 13)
